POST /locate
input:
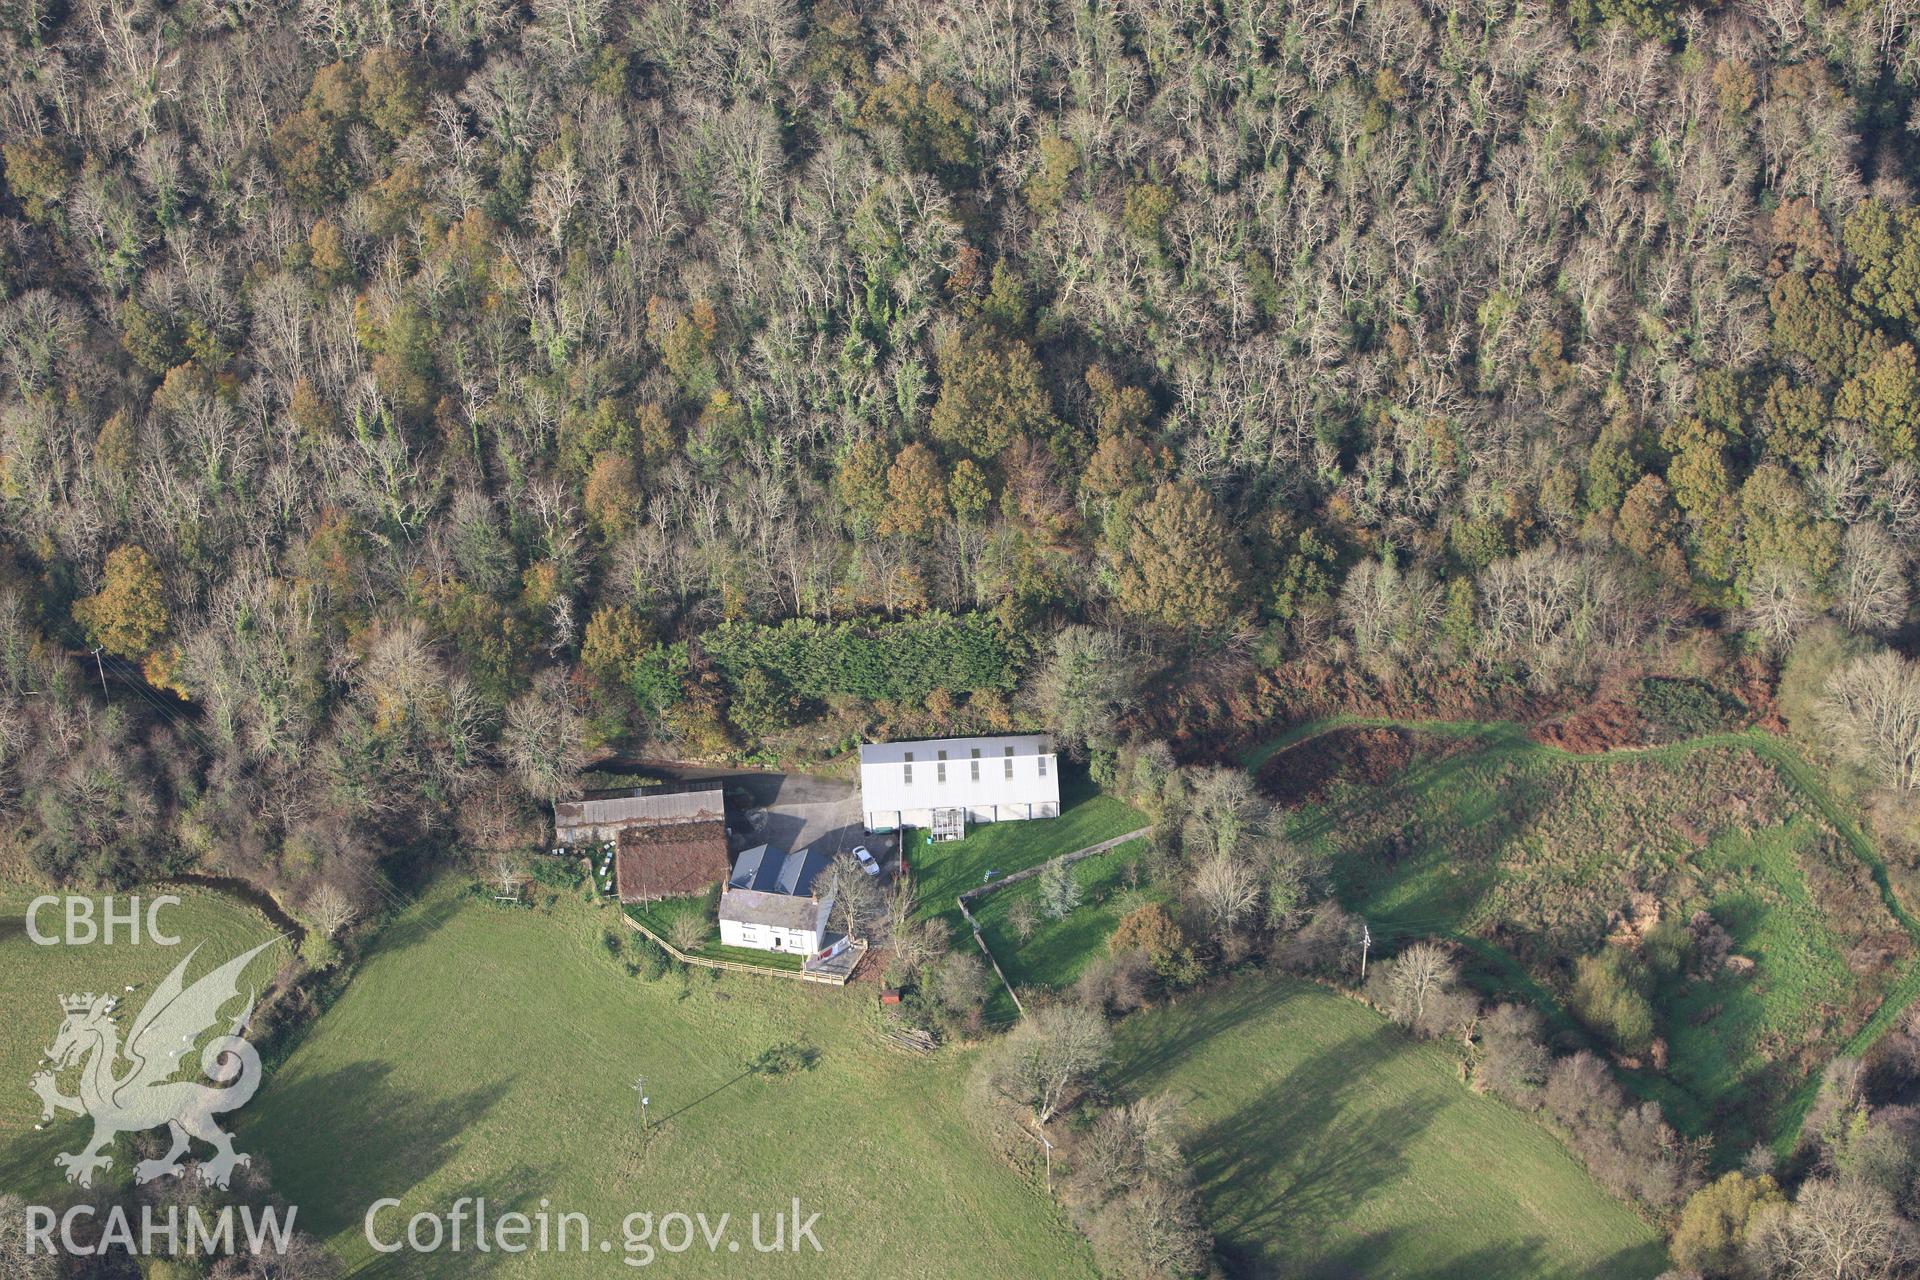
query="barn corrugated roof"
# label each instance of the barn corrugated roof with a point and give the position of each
(660, 807)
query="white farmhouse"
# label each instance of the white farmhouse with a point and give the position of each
(771, 903)
(942, 784)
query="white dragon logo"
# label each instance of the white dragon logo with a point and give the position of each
(142, 1096)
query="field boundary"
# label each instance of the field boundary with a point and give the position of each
(1065, 859)
(759, 970)
(1794, 772)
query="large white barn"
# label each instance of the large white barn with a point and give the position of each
(940, 784)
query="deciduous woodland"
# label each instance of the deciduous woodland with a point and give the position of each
(405, 403)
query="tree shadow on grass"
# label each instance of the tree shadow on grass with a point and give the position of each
(1287, 1168)
(26, 1157)
(414, 926)
(520, 1189)
(1507, 1260)
(784, 1059)
(342, 1139)
(1524, 1259)
(1179, 1030)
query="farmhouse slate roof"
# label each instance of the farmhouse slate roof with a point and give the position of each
(772, 888)
(765, 869)
(775, 910)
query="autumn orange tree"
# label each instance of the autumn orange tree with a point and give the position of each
(1180, 566)
(128, 614)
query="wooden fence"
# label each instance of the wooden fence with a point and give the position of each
(762, 970)
(1065, 859)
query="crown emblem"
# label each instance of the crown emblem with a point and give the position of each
(81, 1004)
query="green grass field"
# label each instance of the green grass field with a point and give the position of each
(1056, 952)
(941, 872)
(1330, 1144)
(1522, 851)
(34, 977)
(490, 1052)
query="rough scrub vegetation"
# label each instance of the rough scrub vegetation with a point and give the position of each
(402, 403)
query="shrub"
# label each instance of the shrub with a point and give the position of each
(1152, 931)
(1679, 708)
(1609, 996)
(646, 960)
(1116, 983)
(1632, 1151)
(319, 951)
(1513, 1062)
(1711, 1237)
(1325, 946)
(557, 873)
(784, 1059)
(1059, 891)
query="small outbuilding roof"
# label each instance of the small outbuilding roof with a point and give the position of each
(669, 860)
(658, 807)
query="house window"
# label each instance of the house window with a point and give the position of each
(976, 764)
(1009, 764)
(1043, 765)
(940, 769)
(909, 768)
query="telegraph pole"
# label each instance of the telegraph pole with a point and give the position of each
(640, 1087)
(101, 668)
(1042, 1139)
(1366, 942)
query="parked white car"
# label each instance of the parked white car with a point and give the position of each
(865, 858)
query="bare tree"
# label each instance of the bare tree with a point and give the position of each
(856, 896)
(1413, 981)
(541, 738)
(1836, 1230)
(688, 931)
(1228, 889)
(1224, 810)
(507, 872)
(16, 1257)
(1779, 605)
(1050, 1056)
(1871, 589)
(1872, 708)
(330, 909)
